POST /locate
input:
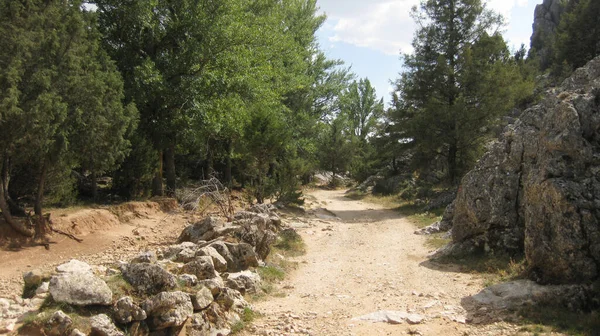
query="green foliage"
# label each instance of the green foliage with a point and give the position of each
(578, 36)
(61, 103)
(459, 81)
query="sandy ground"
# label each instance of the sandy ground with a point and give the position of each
(105, 242)
(366, 261)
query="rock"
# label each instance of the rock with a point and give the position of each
(80, 289)
(58, 324)
(74, 266)
(186, 255)
(102, 325)
(145, 257)
(201, 267)
(218, 260)
(516, 294)
(546, 19)
(239, 257)
(76, 332)
(168, 309)
(43, 288)
(171, 251)
(202, 299)
(536, 191)
(244, 282)
(258, 231)
(231, 299)
(392, 317)
(126, 311)
(139, 328)
(34, 278)
(188, 280)
(214, 284)
(202, 230)
(148, 278)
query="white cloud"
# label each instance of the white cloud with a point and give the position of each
(384, 25)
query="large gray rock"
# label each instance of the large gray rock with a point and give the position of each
(168, 309)
(202, 267)
(102, 325)
(148, 278)
(244, 282)
(74, 266)
(231, 299)
(203, 230)
(537, 190)
(239, 257)
(218, 260)
(80, 289)
(126, 311)
(202, 299)
(258, 230)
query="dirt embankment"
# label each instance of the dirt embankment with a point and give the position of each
(109, 234)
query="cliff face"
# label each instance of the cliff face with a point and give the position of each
(537, 190)
(546, 19)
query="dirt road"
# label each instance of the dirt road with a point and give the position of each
(368, 260)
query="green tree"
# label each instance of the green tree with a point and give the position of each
(457, 83)
(578, 35)
(50, 67)
(359, 102)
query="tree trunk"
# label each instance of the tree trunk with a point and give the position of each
(452, 165)
(157, 182)
(228, 165)
(41, 230)
(208, 163)
(94, 186)
(20, 228)
(170, 170)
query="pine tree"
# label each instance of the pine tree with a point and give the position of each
(457, 82)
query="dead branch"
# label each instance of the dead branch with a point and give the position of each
(213, 191)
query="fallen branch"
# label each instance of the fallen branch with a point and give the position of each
(79, 240)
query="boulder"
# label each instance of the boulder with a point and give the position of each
(218, 260)
(244, 282)
(239, 257)
(34, 278)
(537, 190)
(231, 299)
(58, 324)
(80, 289)
(168, 309)
(202, 299)
(202, 230)
(126, 311)
(214, 284)
(171, 251)
(74, 266)
(145, 257)
(202, 267)
(148, 278)
(102, 325)
(188, 280)
(517, 294)
(546, 20)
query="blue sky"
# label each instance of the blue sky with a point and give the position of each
(369, 35)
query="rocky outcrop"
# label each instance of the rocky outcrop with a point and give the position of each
(546, 19)
(537, 190)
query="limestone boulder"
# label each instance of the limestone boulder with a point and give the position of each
(244, 282)
(168, 309)
(74, 266)
(148, 278)
(102, 325)
(58, 324)
(126, 311)
(80, 289)
(202, 267)
(202, 299)
(203, 230)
